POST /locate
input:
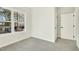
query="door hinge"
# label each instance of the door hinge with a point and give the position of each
(73, 25)
(73, 36)
(73, 15)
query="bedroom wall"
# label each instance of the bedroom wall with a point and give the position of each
(43, 23)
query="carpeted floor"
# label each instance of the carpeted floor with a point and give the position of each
(34, 44)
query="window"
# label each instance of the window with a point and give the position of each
(5, 21)
(18, 21)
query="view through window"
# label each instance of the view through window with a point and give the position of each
(18, 21)
(5, 20)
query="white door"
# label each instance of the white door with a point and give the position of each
(67, 26)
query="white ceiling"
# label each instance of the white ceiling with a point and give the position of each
(19, 8)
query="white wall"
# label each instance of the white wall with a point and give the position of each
(9, 38)
(43, 23)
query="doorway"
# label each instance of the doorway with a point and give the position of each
(65, 24)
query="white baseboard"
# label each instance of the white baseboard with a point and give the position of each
(42, 38)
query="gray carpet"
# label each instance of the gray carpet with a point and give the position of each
(34, 44)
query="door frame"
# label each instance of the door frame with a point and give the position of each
(77, 26)
(73, 26)
(58, 26)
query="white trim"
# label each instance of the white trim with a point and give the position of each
(42, 38)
